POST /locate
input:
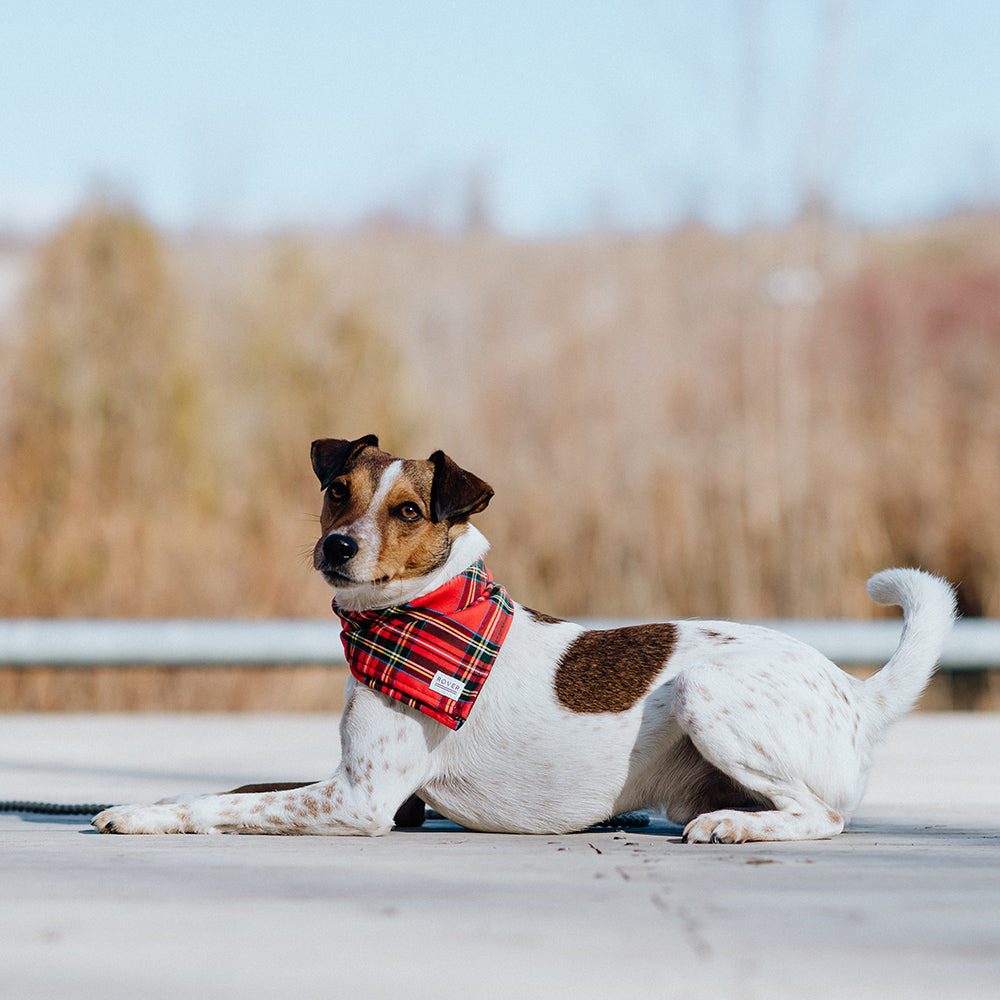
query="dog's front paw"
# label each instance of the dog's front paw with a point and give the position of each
(159, 818)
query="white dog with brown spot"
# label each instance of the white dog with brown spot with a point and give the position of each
(503, 719)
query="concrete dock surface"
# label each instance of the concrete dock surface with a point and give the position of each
(905, 903)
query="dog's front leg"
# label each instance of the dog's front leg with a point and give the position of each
(383, 761)
(341, 805)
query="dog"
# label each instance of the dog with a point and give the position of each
(739, 733)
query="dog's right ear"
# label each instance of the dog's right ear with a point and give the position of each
(456, 494)
(330, 456)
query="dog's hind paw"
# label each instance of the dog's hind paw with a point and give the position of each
(727, 826)
(813, 821)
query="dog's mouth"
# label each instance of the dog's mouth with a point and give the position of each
(334, 577)
(339, 579)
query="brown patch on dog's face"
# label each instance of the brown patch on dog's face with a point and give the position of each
(610, 670)
(413, 544)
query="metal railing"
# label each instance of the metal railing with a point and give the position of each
(24, 642)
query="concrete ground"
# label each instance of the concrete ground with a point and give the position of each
(905, 903)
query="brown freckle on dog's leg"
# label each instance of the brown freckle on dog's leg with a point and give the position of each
(610, 670)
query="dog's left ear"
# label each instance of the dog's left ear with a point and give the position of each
(330, 456)
(455, 493)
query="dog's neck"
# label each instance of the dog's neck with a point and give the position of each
(468, 547)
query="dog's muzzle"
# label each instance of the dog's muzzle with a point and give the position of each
(338, 549)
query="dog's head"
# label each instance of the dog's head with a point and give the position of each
(388, 525)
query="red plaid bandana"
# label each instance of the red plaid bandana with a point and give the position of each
(435, 653)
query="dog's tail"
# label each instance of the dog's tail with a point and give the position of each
(928, 605)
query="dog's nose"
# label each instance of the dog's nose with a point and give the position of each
(337, 549)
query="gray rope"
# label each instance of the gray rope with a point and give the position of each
(51, 808)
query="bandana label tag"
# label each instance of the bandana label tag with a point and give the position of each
(450, 687)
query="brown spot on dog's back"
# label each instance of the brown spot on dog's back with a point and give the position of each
(610, 670)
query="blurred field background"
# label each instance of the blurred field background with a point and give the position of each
(676, 424)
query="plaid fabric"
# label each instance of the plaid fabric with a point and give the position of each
(435, 654)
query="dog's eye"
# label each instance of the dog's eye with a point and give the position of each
(408, 512)
(338, 490)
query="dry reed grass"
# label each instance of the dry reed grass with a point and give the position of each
(673, 423)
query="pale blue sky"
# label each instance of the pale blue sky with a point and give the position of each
(571, 111)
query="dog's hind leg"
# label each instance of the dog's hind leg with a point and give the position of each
(773, 749)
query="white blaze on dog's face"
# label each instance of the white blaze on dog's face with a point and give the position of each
(389, 525)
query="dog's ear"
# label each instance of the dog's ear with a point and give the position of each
(455, 493)
(330, 456)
